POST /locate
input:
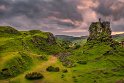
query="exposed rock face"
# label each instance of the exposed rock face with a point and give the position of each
(100, 31)
(51, 39)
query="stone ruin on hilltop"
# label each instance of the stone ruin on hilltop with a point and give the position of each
(100, 31)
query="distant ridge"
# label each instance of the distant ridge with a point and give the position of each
(118, 35)
(70, 38)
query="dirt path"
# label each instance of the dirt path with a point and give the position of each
(52, 59)
(42, 67)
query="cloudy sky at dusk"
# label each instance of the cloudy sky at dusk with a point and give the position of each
(63, 17)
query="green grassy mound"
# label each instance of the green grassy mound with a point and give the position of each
(15, 65)
(98, 63)
(8, 31)
(44, 43)
(20, 50)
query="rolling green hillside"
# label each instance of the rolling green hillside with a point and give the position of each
(95, 60)
(20, 50)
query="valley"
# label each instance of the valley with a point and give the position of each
(98, 58)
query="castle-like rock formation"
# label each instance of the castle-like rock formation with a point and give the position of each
(100, 31)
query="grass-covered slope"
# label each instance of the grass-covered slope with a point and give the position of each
(99, 60)
(20, 50)
(93, 61)
(15, 64)
(101, 57)
(7, 31)
(99, 63)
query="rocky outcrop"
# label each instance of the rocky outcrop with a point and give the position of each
(51, 39)
(100, 31)
(44, 42)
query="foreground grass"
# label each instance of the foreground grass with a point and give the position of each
(93, 72)
(49, 77)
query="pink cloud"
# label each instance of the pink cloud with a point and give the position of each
(3, 8)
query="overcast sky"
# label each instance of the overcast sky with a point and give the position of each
(61, 17)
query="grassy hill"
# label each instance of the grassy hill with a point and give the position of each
(22, 52)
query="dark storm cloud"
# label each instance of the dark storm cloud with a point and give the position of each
(3, 5)
(111, 8)
(68, 24)
(39, 9)
(120, 29)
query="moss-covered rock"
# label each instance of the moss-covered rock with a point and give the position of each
(45, 43)
(100, 32)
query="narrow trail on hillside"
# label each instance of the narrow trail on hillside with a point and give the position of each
(42, 67)
(51, 60)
